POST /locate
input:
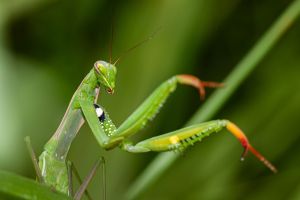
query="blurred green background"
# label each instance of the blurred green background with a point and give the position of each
(47, 47)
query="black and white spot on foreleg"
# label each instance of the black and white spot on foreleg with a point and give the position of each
(100, 112)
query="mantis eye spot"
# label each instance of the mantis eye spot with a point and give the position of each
(100, 113)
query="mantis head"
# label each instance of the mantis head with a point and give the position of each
(106, 75)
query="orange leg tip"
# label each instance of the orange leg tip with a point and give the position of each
(267, 163)
(202, 93)
(197, 83)
(212, 84)
(238, 133)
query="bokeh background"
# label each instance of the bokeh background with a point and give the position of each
(47, 47)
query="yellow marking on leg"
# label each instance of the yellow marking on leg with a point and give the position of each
(174, 139)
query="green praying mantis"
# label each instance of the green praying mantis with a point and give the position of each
(52, 167)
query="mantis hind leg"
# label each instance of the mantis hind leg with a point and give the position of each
(34, 159)
(180, 139)
(83, 187)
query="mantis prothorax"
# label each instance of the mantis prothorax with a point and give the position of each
(52, 162)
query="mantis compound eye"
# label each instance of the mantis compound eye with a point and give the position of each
(100, 113)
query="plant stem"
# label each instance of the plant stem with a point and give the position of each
(243, 69)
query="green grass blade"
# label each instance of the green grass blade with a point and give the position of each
(14, 186)
(243, 69)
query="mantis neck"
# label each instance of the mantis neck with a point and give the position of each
(59, 144)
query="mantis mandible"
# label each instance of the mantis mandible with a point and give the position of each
(52, 168)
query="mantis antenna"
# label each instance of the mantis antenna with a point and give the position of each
(150, 37)
(111, 35)
(111, 43)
